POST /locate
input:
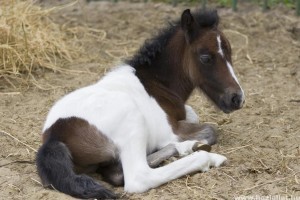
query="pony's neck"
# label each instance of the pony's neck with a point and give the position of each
(165, 80)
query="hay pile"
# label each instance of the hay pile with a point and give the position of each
(29, 39)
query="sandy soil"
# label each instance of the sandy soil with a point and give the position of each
(262, 141)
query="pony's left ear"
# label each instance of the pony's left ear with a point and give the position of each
(216, 24)
(188, 25)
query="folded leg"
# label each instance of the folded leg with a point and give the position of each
(170, 150)
(139, 177)
(204, 133)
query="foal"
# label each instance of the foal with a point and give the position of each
(139, 108)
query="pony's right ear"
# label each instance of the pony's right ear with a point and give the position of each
(188, 24)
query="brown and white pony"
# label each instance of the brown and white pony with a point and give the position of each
(139, 108)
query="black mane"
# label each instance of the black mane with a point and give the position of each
(153, 47)
(207, 18)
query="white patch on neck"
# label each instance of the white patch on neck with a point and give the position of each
(220, 51)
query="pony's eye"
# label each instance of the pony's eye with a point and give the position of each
(206, 59)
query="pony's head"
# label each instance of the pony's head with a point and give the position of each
(207, 60)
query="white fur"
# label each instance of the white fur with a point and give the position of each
(220, 51)
(235, 78)
(185, 148)
(120, 108)
(190, 115)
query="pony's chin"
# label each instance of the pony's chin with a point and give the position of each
(218, 102)
(225, 109)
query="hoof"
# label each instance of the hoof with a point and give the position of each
(198, 146)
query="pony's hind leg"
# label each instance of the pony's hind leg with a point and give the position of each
(112, 173)
(73, 142)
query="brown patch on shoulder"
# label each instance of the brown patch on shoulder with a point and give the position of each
(88, 146)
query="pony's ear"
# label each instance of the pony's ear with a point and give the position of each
(188, 24)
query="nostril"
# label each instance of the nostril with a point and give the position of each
(236, 100)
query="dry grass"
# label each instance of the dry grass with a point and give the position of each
(29, 39)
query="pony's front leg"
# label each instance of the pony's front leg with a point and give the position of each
(175, 149)
(190, 129)
(204, 133)
(139, 177)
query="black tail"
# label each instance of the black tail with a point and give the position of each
(55, 168)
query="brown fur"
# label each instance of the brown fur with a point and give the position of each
(88, 146)
(171, 93)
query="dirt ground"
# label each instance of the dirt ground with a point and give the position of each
(261, 141)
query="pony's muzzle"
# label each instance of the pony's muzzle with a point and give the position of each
(232, 101)
(237, 101)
